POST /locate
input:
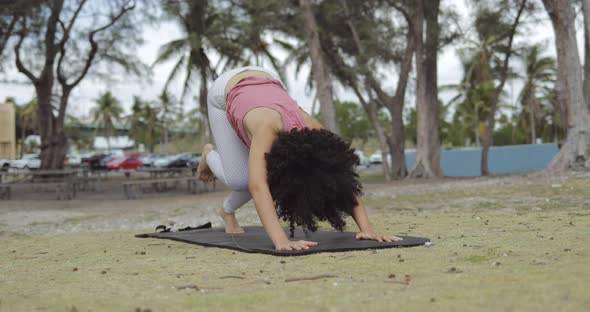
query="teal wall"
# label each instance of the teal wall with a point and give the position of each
(465, 162)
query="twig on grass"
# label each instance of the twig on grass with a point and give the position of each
(232, 276)
(310, 278)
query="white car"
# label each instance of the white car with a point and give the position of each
(73, 160)
(29, 161)
(364, 160)
(163, 161)
(148, 160)
(376, 158)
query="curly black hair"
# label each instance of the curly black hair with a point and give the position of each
(311, 175)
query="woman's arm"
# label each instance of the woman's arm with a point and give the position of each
(359, 214)
(262, 140)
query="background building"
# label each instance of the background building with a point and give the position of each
(7, 132)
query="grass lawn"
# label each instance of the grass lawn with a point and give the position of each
(501, 247)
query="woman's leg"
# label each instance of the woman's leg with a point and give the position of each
(229, 164)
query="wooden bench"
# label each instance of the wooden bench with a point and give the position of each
(91, 183)
(135, 188)
(4, 191)
(64, 190)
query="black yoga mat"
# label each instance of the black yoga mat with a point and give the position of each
(255, 240)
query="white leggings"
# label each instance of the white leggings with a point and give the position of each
(229, 162)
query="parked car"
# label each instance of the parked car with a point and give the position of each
(376, 158)
(73, 160)
(29, 161)
(106, 159)
(124, 163)
(149, 159)
(364, 160)
(195, 160)
(95, 162)
(180, 160)
(162, 162)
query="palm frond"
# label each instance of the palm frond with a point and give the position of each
(174, 72)
(171, 49)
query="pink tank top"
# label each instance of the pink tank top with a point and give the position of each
(254, 92)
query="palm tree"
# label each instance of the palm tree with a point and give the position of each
(152, 125)
(136, 127)
(144, 123)
(233, 34)
(474, 92)
(105, 114)
(540, 72)
(190, 52)
(169, 110)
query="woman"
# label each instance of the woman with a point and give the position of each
(270, 150)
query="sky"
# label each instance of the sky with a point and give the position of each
(124, 88)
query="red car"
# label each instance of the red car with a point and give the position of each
(124, 163)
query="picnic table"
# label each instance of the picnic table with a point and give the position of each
(133, 189)
(4, 191)
(65, 182)
(7, 174)
(155, 172)
(91, 180)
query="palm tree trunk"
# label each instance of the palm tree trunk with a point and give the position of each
(107, 133)
(203, 104)
(575, 153)
(531, 103)
(319, 70)
(165, 135)
(532, 122)
(477, 135)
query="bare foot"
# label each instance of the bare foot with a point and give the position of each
(204, 172)
(230, 221)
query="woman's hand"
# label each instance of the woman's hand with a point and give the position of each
(295, 245)
(377, 236)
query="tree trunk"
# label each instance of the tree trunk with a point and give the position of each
(427, 162)
(319, 70)
(575, 153)
(345, 74)
(58, 149)
(51, 128)
(397, 143)
(371, 110)
(46, 121)
(108, 137)
(586, 12)
(394, 104)
(372, 107)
